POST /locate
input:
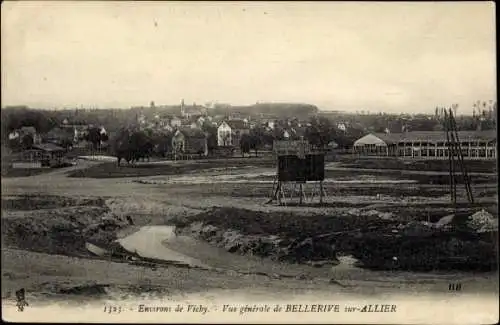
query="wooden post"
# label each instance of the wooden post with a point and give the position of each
(300, 198)
(321, 192)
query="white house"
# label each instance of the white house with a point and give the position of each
(230, 132)
(14, 135)
(224, 136)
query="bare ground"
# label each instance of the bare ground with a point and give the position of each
(44, 274)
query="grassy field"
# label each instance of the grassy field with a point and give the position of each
(479, 166)
(391, 168)
(111, 170)
(24, 172)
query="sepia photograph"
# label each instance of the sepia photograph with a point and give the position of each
(249, 162)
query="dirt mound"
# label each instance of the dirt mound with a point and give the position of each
(280, 223)
(482, 222)
(147, 212)
(270, 246)
(87, 290)
(60, 231)
(378, 240)
(34, 202)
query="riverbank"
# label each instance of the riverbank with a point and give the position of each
(379, 240)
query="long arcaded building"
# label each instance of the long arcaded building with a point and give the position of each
(479, 145)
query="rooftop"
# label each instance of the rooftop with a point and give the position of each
(237, 124)
(48, 147)
(192, 133)
(435, 136)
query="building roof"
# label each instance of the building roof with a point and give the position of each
(192, 133)
(389, 138)
(435, 136)
(48, 147)
(237, 124)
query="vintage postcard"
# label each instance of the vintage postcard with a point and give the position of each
(249, 162)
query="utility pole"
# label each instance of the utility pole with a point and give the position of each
(455, 151)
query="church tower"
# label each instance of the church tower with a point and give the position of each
(183, 113)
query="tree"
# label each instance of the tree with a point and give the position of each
(278, 133)
(319, 133)
(257, 138)
(245, 144)
(132, 145)
(141, 145)
(94, 137)
(162, 143)
(27, 142)
(211, 132)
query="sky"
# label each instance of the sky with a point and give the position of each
(350, 56)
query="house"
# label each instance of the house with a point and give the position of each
(190, 141)
(342, 126)
(14, 135)
(175, 122)
(168, 128)
(332, 145)
(141, 119)
(189, 124)
(229, 132)
(286, 134)
(201, 120)
(190, 110)
(292, 133)
(475, 145)
(236, 116)
(40, 155)
(18, 136)
(79, 131)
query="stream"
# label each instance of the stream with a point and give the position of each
(151, 242)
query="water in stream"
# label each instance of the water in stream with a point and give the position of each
(149, 242)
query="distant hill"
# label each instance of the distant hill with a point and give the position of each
(274, 109)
